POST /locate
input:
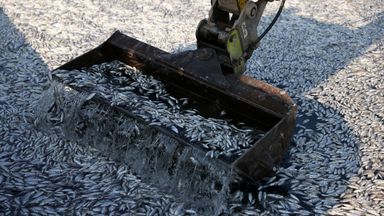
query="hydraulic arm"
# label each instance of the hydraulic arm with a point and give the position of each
(231, 30)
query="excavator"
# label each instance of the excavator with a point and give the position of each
(212, 76)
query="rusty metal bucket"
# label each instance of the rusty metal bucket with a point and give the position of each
(198, 75)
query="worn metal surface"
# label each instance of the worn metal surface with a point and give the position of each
(197, 74)
(231, 30)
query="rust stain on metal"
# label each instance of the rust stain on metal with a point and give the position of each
(197, 74)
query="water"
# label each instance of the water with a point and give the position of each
(195, 180)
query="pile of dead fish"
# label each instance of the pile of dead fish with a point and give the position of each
(328, 56)
(146, 97)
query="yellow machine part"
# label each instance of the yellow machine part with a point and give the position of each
(241, 4)
(235, 51)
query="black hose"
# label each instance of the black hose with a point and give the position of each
(270, 25)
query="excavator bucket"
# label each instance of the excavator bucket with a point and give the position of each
(179, 153)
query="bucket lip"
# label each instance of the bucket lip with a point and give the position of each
(117, 39)
(285, 124)
(270, 89)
